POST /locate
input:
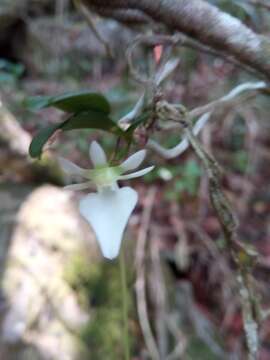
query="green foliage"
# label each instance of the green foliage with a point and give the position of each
(84, 120)
(36, 102)
(237, 141)
(197, 349)
(187, 182)
(88, 111)
(240, 161)
(183, 179)
(40, 140)
(91, 119)
(78, 275)
(189, 60)
(104, 335)
(99, 288)
(73, 102)
(10, 72)
(237, 137)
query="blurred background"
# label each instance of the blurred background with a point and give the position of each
(59, 298)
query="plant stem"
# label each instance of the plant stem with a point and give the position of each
(124, 304)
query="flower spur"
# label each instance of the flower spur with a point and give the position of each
(108, 209)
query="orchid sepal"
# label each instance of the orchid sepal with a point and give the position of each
(136, 173)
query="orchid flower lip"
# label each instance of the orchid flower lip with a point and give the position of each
(108, 213)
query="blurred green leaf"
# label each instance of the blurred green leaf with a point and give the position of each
(84, 120)
(91, 120)
(40, 140)
(192, 169)
(10, 72)
(81, 101)
(197, 349)
(73, 102)
(240, 161)
(13, 68)
(36, 102)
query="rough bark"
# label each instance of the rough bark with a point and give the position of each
(15, 163)
(42, 316)
(203, 22)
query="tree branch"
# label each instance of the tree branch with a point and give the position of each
(202, 21)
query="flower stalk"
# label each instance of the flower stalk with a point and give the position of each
(124, 287)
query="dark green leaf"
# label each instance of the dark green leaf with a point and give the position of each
(14, 69)
(37, 102)
(83, 120)
(74, 102)
(40, 140)
(81, 101)
(91, 120)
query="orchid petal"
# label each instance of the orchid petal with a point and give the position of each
(136, 174)
(72, 169)
(78, 187)
(165, 71)
(108, 213)
(97, 154)
(134, 112)
(133, 161)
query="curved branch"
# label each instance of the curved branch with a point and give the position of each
(203, 22)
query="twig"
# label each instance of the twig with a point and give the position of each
(206, 23)
(213, 250)
(129, 17)
(86, 14)
(181, 340)
(158, 292)
(206, 110)
(60, 8)
(140, 281)
(182, 248)
(196, 45)
(125, 304)
(238, 250)
(243, 255)
(147, 40)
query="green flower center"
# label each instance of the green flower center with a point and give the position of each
(105, 176)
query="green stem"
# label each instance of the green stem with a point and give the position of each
(124, 304)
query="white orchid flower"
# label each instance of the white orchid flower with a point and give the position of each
(109, 209)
